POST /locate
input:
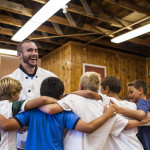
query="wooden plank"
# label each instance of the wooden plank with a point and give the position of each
(11, 32)
(129, 6)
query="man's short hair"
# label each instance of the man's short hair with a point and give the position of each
(9, 86)
(19, 47)
(52, 87)
(90, 81)
(113, 83)
(139, 84)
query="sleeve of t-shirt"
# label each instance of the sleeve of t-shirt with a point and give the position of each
(143, 105)
(66, 103)
(70, 120)
(23, 118)
(18, 106)
(119, 125)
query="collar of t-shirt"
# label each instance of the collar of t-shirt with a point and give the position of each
(30, 75)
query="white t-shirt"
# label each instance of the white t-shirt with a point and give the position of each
(8, 139)
(127, 139)
(89, 110)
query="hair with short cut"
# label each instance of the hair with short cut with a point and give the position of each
(90, 81)
(113, 83)
(9, 86)
(52, 87)
(139, 84)
(19, 47)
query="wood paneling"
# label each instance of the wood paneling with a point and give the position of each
(59, 62)
(67, 61)
(147, 76)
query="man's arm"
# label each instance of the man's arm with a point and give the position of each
(95, 124)
(87, 94)
(51, 108)
(8, 124)
(136, 114)
(42, 100)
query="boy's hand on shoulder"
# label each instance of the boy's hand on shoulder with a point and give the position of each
(22, 130)
(115, 106)
(146, 119)
(109, 110)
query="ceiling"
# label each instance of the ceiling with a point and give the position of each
(92, 22)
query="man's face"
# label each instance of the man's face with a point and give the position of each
(134, 94)
(29, 54)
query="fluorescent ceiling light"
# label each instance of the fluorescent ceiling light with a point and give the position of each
(131, 34)
(9, 52)
(49, 9)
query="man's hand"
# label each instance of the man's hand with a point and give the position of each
(109, 110)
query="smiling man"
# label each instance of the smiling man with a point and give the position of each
(29, 75)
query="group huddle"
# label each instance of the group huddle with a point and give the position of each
(92, 118)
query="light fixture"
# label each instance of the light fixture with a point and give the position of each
(7, 51)
(49, 9)
(131, 34)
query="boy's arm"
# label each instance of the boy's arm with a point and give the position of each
(87, 94)
(95, 124)
(36, 102)
(8, 124)
(135, 123)
(136, 114)
(51, 108)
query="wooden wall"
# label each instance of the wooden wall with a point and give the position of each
(66, 62)
(147, 76)
(59, 62)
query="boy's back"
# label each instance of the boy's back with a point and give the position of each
(127, 139)
(88, 110)
(46, 129)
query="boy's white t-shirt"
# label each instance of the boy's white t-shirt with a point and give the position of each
(89, 110)
(127, 139)
(8, 139)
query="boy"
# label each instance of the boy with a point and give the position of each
(46, 131)
(10, 106)
(137, 94)
(111, 86)
(88, 110)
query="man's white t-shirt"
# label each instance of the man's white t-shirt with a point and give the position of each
(127, 139)
(89, 110)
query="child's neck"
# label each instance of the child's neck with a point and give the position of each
(143, 96)
(114, 95)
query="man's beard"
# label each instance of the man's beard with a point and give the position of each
(26, 60)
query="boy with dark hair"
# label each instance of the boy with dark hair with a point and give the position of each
(111, 83)
(137, 94)
(46, 131)
(10, 106)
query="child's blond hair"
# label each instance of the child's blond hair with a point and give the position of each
(90, 81)
(9, 86)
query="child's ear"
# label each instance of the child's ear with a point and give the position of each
(80, 87)
(140, 90)
(107, 89)
(12, 95)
